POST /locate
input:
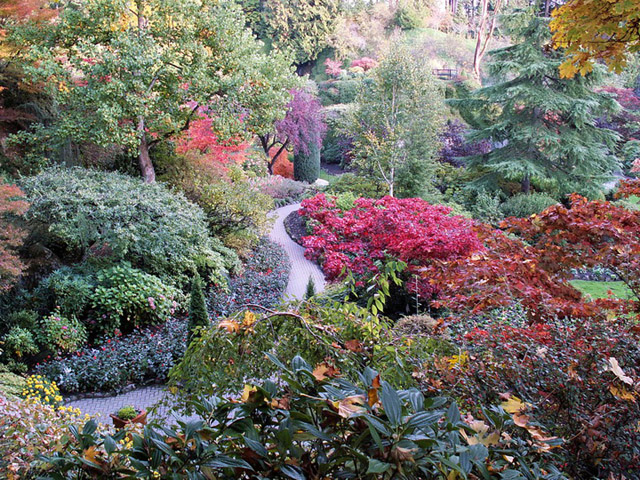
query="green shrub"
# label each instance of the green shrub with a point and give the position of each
(336, 144)
(127, 297)
(19, 342)
(312, 425)
(62, 334)
(359, 186)
(338, 92)
(198, 316)
(524, 205)
(233, 208)
(127, 412)
(27, 319)
(306, 168)
(486, 208)
(408, 16)
(345, 201)
(68, 289)
(11, 385)
(81, 213)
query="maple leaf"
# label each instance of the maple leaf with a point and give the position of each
(622, 393)
(230, 325)
(353, 345)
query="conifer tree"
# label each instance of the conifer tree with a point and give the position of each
(198, 316)
(543, 127)
(311, 289)
(306, 166)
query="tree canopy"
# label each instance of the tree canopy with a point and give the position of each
(591, 31)
(132, 73)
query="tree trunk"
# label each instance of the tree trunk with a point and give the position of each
(525, 185)
(144, 160)
(482, 39)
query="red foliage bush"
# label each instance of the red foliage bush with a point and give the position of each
(281, 165)
(10, 236)
(410, 230)
(200, 137)
(365, 63)
(578, 378)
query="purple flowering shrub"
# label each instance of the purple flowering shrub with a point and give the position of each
(143, 355)
(265, 276)
(455, 146)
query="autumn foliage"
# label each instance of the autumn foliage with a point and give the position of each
(281, 164)
(410, 230)
(10, 236)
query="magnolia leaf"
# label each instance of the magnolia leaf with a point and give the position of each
(350, 406)
(513, 405)
(617, 371)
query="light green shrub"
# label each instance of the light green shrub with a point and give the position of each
(524, 205)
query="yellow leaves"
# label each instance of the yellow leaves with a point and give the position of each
(513, 404)
(248, 394)
(230, 325)
(615, 368)
(458, 360)
(483, 436)
(516, 408)
(233, 326)
(622, 393)
(90, 454)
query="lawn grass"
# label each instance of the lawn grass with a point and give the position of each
(597, 290)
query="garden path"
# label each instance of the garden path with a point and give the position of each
(301, 270)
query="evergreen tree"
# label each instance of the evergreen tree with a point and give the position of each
(311, 289)
(198, 316)
(306, 167)
(543, 128)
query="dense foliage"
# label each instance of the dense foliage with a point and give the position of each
(409, 230)
(144, 355)
(262, 282)
(81, 213)
(267, 433)
(120, 72)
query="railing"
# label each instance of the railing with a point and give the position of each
(445, 73)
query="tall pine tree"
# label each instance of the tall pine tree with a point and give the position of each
(542, 127)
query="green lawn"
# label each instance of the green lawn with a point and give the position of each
(599, 289)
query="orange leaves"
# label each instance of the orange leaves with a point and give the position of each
(232, 325)
(516, 408)
(324, 371)
(11, 202)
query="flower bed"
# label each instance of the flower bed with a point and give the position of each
(144, 355)
(265, 276)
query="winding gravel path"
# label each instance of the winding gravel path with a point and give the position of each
(301, 270)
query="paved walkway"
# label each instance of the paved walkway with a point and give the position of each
(146, 397)
(301, 268)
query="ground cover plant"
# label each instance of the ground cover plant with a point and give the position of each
(144, 355)
(262, 282)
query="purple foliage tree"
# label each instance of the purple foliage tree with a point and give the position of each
(302, 126)
(455, 145)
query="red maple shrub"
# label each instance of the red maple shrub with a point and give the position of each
(410, 230)
(11, 236)
(577, 378)
(281, 164)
